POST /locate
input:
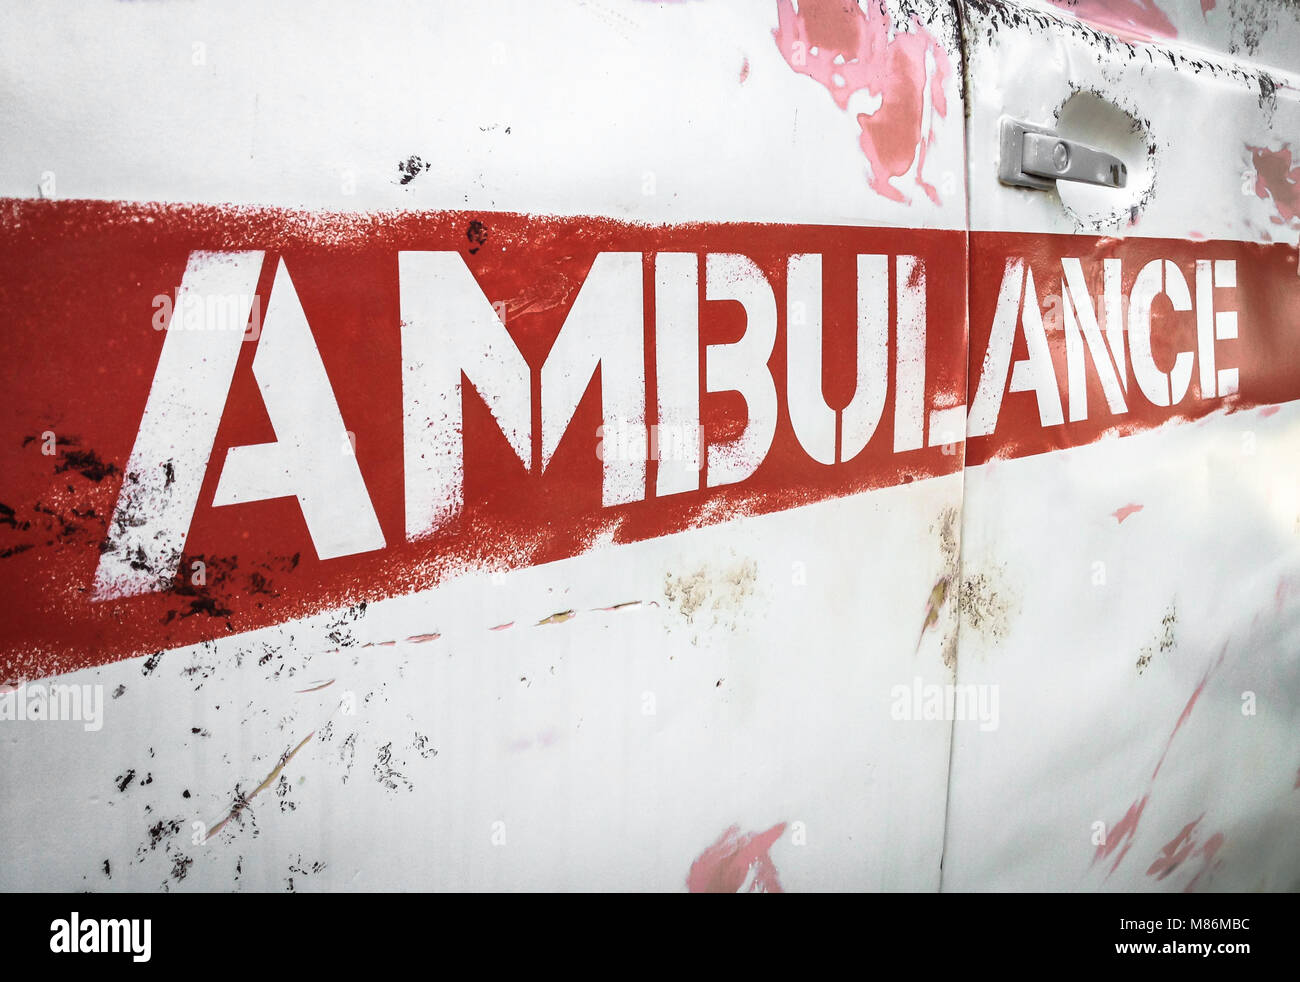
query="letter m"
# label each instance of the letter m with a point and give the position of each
(451, 334)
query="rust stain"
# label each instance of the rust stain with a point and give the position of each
(719, 593)
(938, 595)
(985, 604)
(558, 618)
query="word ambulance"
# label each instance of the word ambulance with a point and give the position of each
(908, 371)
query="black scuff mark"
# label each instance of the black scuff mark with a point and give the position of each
(1267, 93)
(477, 234)
(421, 745)
(158, 835)
(385, 773)
(298, 868)
(282, 788)
(348, 755)
(338, 631)
(87, 463)
(181, 864)
(7, 517)
(259, 583)
(1248, 28)
(206, 604)
(411, 168)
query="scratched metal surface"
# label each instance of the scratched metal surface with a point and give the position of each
(729, 718)
(710, 709)
(1138, 591)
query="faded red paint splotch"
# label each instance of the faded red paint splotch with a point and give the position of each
(1141, 20)
(1275, 178)
(725, 866)
(1175, 852)
(1184, 846)
(850, 50)
(1125, 511)
(1124, 831)
(1207, 852)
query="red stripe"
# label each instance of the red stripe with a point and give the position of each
(77, 296)
(80, 278)
(1266, 354)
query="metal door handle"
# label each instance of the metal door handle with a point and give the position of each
(1035, 157)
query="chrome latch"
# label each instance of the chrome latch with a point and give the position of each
(1035, 157)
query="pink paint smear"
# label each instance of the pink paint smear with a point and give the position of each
(1275, 178)
(725, 866)
(1183, 847)
(1124, 831)
(1207, 853)
(1175, 851)
(1124, 512)
(1139, 20)
(849, 50)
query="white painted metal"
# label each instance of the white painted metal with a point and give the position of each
(752, 684)
(1102, 628)
(750, 688)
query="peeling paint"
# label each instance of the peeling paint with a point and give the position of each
(1277, 181)
(857, 53)
(737, 863)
